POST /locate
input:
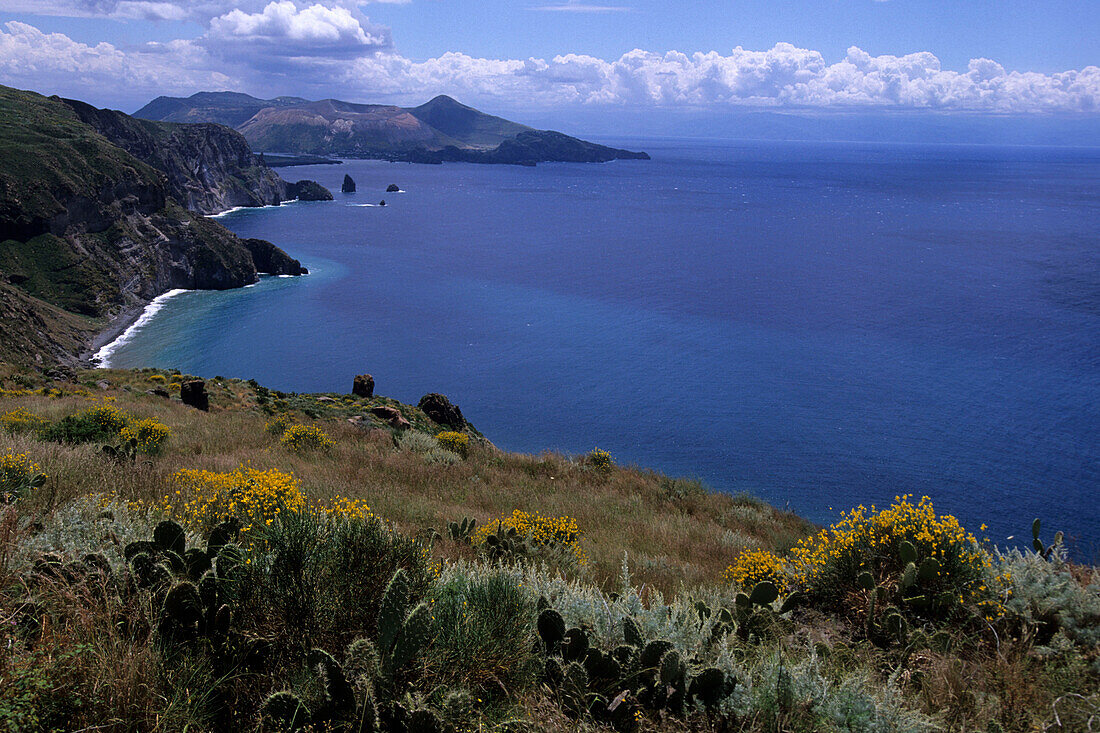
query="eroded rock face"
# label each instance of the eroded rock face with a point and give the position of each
(440, 410)
(363, 386)
(193, 393)
(391, 415)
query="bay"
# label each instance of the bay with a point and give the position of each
(822, 325)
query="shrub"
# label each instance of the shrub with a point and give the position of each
(21, 421)
(94, 425)
(320, 578)
(18, 475)
(417, 442)
(830, 563)
(205, 498)
(599, 460)
(442, 457)
(533, 529)
(455, 442)
(150, 434)
(483, 633)
(278, 426)
(754, 566)
(157, 378)
(303, 438)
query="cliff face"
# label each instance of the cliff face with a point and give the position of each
(90, 230)
(209, 168)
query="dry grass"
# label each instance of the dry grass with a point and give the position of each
(672, 539)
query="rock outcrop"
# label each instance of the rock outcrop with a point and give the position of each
(271, 260)
(308, 191)
(348, 185)
(363, 386)
(442, 411)
(391, 416)
(393, 188)
(193, 394)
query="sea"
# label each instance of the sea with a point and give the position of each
(821, 325)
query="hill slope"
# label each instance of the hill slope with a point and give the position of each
(441, 129)
(91, 220)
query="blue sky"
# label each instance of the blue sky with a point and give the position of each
(541, 56)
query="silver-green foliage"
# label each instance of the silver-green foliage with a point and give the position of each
(417, 442)
(442, 456)
(90, 524)
(1045, 594)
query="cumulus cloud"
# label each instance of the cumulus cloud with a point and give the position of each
(331, 50)
(282, 29)
(55, 64)
(783, 76)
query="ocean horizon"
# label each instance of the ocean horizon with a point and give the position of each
(822, 325)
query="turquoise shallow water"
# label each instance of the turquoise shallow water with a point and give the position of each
(820, 324)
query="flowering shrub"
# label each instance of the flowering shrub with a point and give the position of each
(278, 426)
(537, 530)
(18, 474)
(598, 459)
(150, 434)
(455, 442)
(21, 421)
(202, 499)
(828, 564)
(100, 423)
(754, 566)
(301, 438)
(158, 378)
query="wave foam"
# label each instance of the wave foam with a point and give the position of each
(103, 356)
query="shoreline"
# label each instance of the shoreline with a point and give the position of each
(122, 328)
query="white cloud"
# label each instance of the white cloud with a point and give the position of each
(330, 50)
(282, 29)
(575, 7)
(53, 63)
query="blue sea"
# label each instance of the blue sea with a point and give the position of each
(821, 325)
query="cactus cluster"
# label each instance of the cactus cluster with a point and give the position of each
(125, 451)
(614, 686)
(369, 691)
(461, 531)
(1037, 544)
(198, 585)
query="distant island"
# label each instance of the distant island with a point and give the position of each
(441, 130)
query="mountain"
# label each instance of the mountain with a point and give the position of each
(95, 219)
(439, 130)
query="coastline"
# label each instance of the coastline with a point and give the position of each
(122, 328)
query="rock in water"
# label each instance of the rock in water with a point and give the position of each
(440, 410)
(363, 386)
(392, 188)
(307, 190)
(382, 202)
(193, 393)
(349, 184)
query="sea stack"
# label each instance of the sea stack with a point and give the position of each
(349, 184)
(393, 188)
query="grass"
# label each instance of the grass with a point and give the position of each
(309, 599)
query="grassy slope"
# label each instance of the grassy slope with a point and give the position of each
(47, 154)
(672, 535)
(814, 671)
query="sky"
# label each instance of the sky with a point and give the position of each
(598, 59)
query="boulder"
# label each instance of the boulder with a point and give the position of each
(159, 392)
(441, 411)
(392, 188)
(325, 399)
(348, 185)
(390, 415)
(363, 386)
(193, 393)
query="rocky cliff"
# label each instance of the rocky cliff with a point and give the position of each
(90, 230)
(210, 168)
